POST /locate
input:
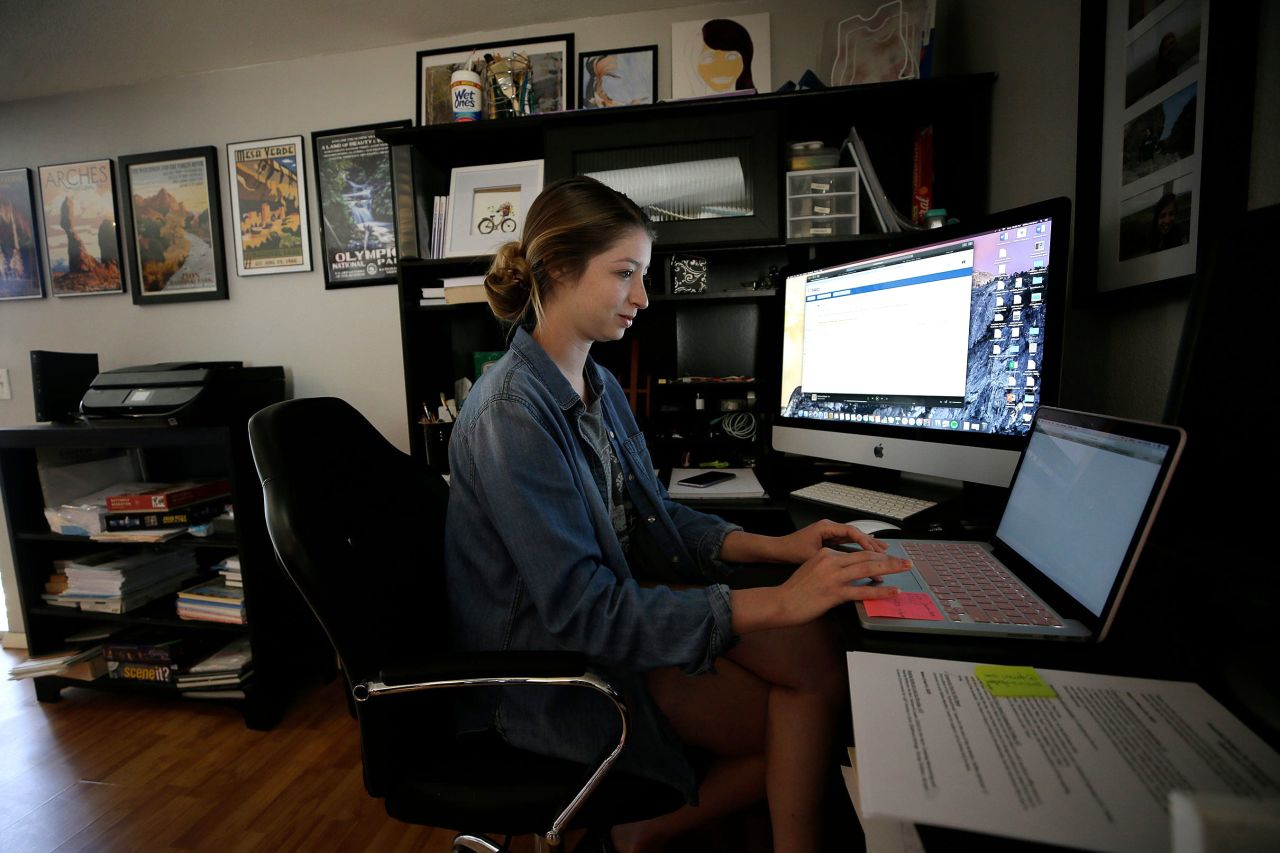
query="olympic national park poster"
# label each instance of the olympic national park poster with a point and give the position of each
(353, 179)
(268, 200)
(81, 243)
(177, 252)
(19, 257)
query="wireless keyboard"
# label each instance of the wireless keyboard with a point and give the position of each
(863, 501)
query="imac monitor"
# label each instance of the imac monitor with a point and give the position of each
(930, 360)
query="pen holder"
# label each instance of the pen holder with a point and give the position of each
(436, 439)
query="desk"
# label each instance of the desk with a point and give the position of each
(1158, 634)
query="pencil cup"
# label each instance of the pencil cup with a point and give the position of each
(437, 442)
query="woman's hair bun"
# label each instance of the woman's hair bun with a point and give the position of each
(509, 282)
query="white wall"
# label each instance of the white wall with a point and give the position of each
(341, 342)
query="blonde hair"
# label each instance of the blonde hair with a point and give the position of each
(570, 222)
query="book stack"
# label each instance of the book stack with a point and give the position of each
(144, 657)
(87, 514)
(149, 512)
(439, 217)
(432, 296)
(212, 601)
(118, 581)
(467, 288)
(230, 571)
(80, 664)
(221, 675)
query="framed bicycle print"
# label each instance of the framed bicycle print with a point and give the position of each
(487, 205)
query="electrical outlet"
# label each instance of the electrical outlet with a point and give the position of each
(5, 392)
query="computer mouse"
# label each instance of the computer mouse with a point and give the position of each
(872, 526)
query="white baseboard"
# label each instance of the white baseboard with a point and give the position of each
(13, 640)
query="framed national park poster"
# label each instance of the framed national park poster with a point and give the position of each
(20, 276)
(78, 201)
(269, 205)
(174, 223)
(357, 206)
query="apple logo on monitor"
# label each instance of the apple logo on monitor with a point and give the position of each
(878, 450)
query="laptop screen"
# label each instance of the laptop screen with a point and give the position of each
(1077, 503)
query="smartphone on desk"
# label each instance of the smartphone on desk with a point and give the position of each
(707, 478)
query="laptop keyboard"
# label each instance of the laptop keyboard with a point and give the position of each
(972, 587)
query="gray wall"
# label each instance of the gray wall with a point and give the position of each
(343, 342)
(347, 342)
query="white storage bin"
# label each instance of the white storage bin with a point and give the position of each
(834, 204)
(822, 226)
(821, 181)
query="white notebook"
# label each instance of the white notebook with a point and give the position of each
(743, 485)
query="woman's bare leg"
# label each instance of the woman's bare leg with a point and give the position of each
(766, 715)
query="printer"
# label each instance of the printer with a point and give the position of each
(182, 392)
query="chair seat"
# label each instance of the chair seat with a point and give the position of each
(500, 790)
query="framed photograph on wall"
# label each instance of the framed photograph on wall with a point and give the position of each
(720, 56)
(81, 242)
(173, 225)
(1142, 153)
(618, 78)
(269, 205)
(20, 273)
(487, 205)
(550, 84)
(357, 205)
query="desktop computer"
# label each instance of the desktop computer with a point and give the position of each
(932, 359)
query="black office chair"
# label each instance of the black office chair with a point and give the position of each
(358, 526)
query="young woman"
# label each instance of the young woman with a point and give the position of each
(555, 515)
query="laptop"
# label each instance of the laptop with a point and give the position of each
(1081, 503)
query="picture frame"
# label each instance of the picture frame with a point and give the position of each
(269, 210)
(173, 225)
(551, 57)
(715, 57)
(1142, 144)
(487, 205)
(616, 78)
(79, 213)
(21, 276)
(356, 194)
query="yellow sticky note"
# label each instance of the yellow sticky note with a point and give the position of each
(1013, 681)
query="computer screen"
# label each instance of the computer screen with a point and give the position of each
(950, 345)
(1083, 479)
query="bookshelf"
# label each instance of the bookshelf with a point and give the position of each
(287, 643)
(729, 329)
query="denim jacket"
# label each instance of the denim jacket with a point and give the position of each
(533, 563)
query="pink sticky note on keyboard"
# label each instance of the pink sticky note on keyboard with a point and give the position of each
(904, 605)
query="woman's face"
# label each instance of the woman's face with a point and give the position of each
(603, 302)
(1165, 218)
(719, 69)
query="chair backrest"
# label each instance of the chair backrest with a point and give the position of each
(358, 525)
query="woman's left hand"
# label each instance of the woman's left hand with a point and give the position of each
(807, 541)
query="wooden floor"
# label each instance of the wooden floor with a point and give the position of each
(105, 772)
(102, 771)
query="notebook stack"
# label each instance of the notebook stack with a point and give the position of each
(119, 581)
(80, 664)
(212, 601)
(222, 675)
(230, 571)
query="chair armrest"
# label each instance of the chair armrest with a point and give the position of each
(505, 669)
(470, 665)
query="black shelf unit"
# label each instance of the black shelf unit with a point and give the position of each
(732, 329)
(286, 641)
